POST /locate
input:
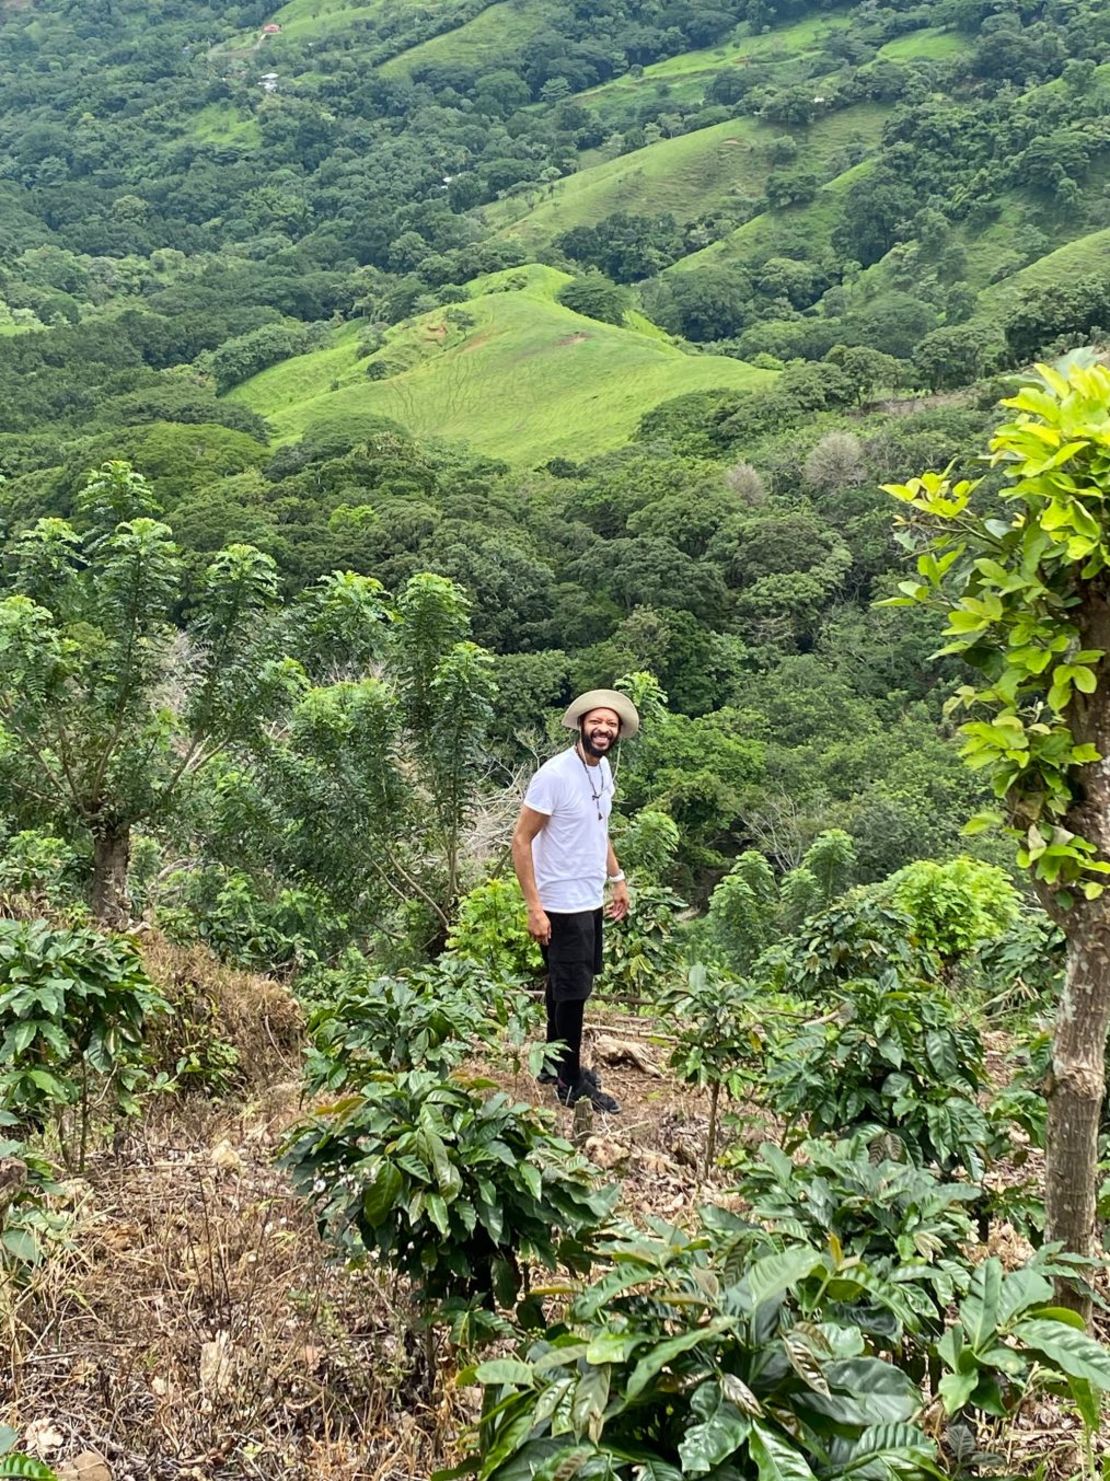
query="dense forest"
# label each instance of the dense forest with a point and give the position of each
(375, 376)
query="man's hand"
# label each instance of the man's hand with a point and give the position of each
(539, 927)
(617, 907)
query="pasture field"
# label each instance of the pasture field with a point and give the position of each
(685, 176)
(520, 378)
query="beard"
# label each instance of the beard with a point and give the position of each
(591, 749)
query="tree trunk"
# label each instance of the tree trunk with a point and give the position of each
(1075, 1095)
(111, 857)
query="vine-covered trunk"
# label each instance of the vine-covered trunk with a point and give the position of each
(111, 858)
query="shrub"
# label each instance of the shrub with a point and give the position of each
(714, 1037)
(490, 930)
(903, 1221)
(955, 906)
(27, 1227)
(455, 1189)
(673, 1364)
(641, 950)
(894, 1060)
(425, 1020)
(73, 1005)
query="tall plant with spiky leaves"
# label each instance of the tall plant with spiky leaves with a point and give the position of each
(108, 711)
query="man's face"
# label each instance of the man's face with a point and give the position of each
(600, 729)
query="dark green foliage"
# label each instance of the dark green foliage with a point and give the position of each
(597, 297)
(676, 1362)
(452, 1187)
(430, 1019)
(906, 1224)
(887, 1060)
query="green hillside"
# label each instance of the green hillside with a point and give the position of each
(478, 42)
(685, 176)
(519, 378)
(684, 76)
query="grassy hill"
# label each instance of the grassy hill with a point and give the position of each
(686, 176)
(685, 77)
(519, 377)
(478, 42)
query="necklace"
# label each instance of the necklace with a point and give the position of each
(597, 796)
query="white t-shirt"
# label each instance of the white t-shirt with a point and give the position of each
(570, 852)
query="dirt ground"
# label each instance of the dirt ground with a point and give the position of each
(196, 1327)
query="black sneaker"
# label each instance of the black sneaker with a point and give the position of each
(550, 1077)
(586, 1088)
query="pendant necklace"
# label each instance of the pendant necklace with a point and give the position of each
(597, 796)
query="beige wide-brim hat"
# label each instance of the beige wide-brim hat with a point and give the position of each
(604, 699)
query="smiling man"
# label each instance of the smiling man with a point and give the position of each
(563, 858)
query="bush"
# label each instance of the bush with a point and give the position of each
(454, 1190)
(675, 1363)
(956, 906)
(425, 1020)
(73, 1006)
(906, 1224)
(490, 930)
(894, 1060)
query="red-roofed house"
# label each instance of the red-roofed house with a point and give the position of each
(272, 29)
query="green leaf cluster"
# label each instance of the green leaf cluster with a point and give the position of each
(1014, 595)
(73, 1008)
(896, 1059)
(451, 1186)
(675, 1363)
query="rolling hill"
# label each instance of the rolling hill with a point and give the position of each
(510, 372)
(685, 176)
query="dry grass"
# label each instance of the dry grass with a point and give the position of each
(195, 1329)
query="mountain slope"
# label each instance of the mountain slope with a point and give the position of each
(512, 373)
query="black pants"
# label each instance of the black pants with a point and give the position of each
(573, 959)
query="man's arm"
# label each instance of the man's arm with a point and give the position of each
(617, 908)
(528, 824)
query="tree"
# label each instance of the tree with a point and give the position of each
(108, 712)
(949, 357)
(1028, 604)
(597, 297)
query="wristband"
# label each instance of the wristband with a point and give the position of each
(617, 878)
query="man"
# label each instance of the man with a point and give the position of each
(563, 857)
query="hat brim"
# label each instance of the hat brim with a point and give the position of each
(604, 699)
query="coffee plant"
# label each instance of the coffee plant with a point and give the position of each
(427, 1019)
(27, 1226)
(669, 1364)
(887, 1059)
(455, 1188)
(715, 1040)
(905, 1223)
(73, 1007)
(1010, 1340)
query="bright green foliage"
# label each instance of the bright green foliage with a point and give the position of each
(750, 908)
(1010, 1341)
(39, 867)
(73, 1007)
(676, 1362)
(489, 930)
(712, 1020)
(887, 1059)
(901, 1219)
(448, 1185)
(1012, 590)
(427, 1020)
(14, 1464)
(648, 845)
(956, 906)
(641, 951)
